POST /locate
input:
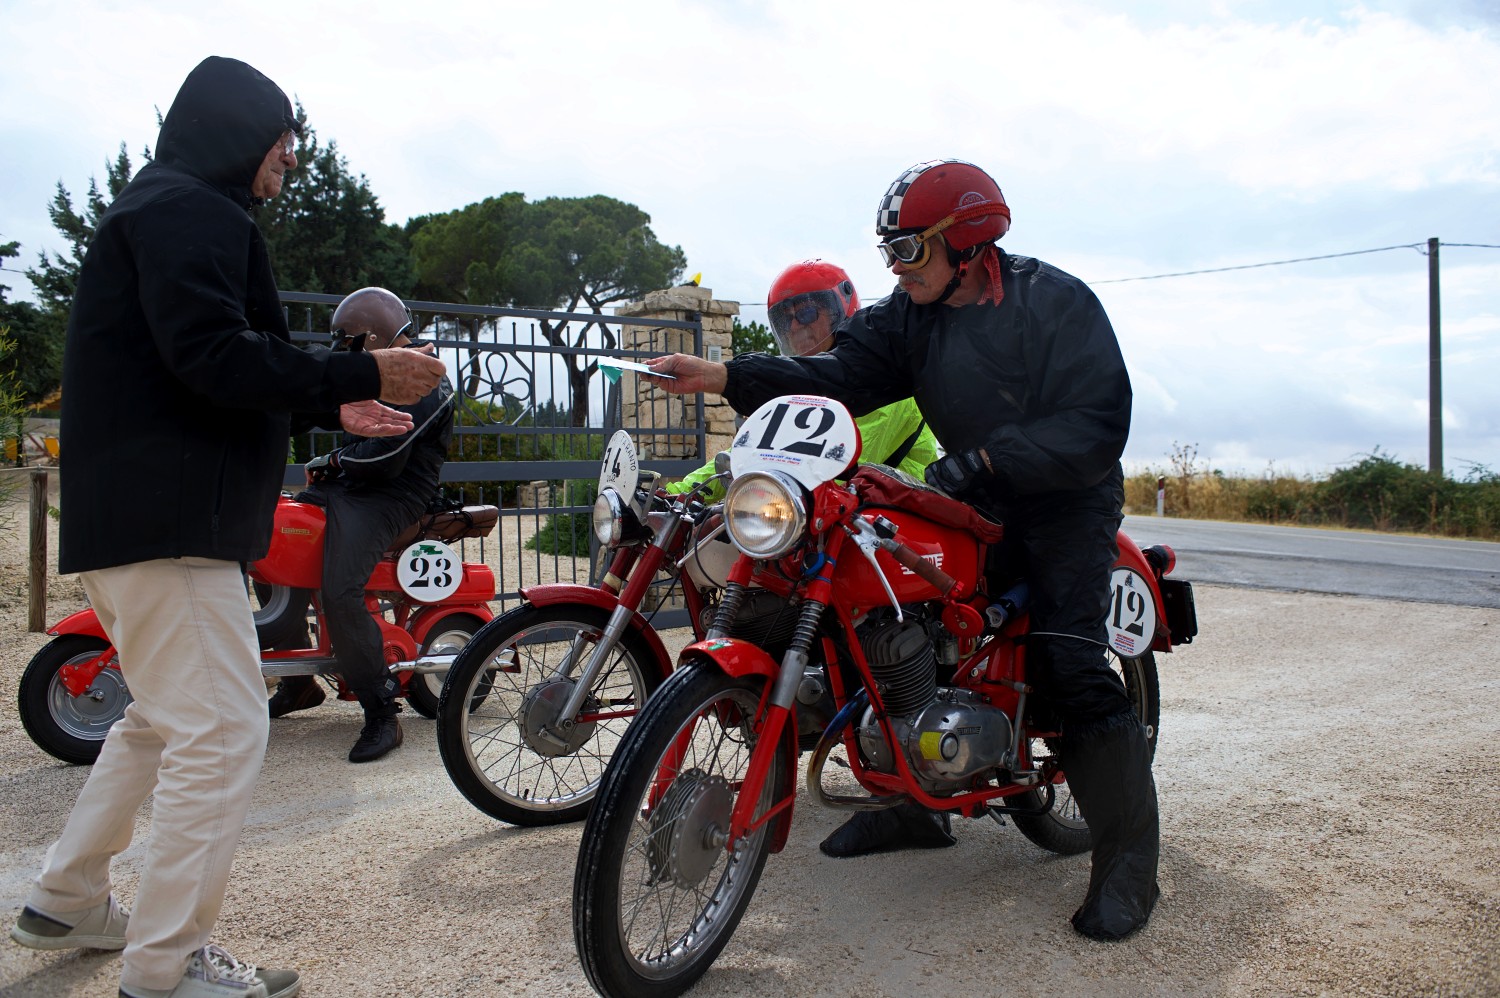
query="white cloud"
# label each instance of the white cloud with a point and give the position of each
(1131, 139)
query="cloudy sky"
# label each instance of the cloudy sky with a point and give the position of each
(1131, 140)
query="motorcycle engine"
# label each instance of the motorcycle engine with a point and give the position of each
(948, 734)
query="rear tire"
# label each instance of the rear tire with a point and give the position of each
(657, 893)
(70, 728)
(450, 635)
(280, 613)
(1062, 829)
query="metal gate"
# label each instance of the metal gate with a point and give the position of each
(533, 414)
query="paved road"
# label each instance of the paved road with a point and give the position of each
(1350, 562)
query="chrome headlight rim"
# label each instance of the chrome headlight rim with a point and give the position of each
(609, 518)
(787, 534)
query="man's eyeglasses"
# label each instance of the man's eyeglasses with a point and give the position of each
(803, 311)
(911, 248)
(289, 143)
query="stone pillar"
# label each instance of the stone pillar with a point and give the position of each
(647, 406)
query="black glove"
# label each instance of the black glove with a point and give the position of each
(322, 468)
(956, 474)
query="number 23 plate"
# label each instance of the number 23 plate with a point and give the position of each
(429, 571)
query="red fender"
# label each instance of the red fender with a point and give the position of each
(82, 622)
(565, 592)
(427, 619)
(1131, 557)
(739, 659)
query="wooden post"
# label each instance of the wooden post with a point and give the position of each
(36, 604)
(1434, 363)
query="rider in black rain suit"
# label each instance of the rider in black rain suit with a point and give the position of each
(1022, 381)
(372, 488)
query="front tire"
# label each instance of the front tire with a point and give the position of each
(70, 728)
(1062, 829)
(448, 636)
(500, 689)
(657, 891)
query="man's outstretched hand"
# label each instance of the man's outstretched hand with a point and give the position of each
(689, 374)
(371, 419)
(407, 375)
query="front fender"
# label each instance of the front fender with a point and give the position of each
(739, 659)
(566, 592)
(82, 622)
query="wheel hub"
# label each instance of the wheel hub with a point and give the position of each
(540, 719)
(91, 713)
(690, 827)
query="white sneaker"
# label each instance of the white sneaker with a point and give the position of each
(99, 927)
(213, 973)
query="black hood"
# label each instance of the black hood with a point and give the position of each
(222, 123)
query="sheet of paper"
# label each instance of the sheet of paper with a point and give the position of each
(630, 365)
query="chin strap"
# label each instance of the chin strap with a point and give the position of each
(990, 259)
(958, 278)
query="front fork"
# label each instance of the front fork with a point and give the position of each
(773, 715)
(559, 732)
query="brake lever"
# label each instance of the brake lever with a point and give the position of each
(865, 538)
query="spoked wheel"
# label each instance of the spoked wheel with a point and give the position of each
(448, 637)
(1062, 829)
(72, 728)
(659, 889)
(499, 733)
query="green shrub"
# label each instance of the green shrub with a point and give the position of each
(568, 533)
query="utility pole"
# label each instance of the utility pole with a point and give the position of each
(1434, 364)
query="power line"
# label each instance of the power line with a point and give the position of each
(1421, 247)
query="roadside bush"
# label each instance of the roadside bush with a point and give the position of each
(1376, 493)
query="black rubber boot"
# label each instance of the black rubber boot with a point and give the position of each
(1108, 766)
(382, 730)
(905, 826)
(294, 693)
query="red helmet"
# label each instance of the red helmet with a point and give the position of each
(800, 295)
(944, 194)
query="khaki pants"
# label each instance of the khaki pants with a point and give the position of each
(195, 734)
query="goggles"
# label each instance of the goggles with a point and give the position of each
(911, 248)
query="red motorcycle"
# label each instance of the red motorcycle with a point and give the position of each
(427, 600)
(883, 581)
(535, 703)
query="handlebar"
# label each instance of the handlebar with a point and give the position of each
(907, 558)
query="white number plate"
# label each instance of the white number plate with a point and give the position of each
(809, 437)
(429, 571)
(620, 469)
(1132, 614)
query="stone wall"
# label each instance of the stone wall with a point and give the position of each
(646, 405)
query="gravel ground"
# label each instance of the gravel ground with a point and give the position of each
(1329, 776)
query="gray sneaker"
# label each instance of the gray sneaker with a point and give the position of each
(99, 927)
(213, 973)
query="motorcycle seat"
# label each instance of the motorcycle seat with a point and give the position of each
(879, 485)
(450, 525)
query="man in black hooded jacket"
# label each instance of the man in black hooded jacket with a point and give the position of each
(1017, 369)
(179, 385)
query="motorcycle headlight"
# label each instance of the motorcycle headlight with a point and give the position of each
(609, 518)
(765, 513)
